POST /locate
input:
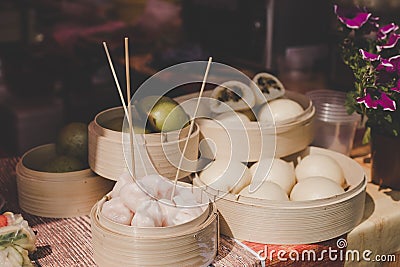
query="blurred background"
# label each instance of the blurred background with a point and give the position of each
(53, 69)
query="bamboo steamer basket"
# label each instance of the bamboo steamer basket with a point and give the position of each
(286, 138)
(194, 243)
(291, 222)
(106, 151)
(56, 195)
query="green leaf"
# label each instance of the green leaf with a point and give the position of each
(388, 118)
(11, 238)
(350, 103)
(367, 136)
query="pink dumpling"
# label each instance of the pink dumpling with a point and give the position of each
(115, 210)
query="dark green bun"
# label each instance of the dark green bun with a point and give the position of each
(168, 116)
(145, 105)
(64, 164)
(73, 141)
(162, 114)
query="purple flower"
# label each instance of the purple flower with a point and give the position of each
(353, 18)
(367, 101)
(393, 38)
(390, 65)
(386, 102)
(397, 88)
(384, 65)
(395, 60)
(385, 30)
(369, 56)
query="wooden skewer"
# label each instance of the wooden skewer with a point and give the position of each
(115, 79)
(119, 91)
(132, 137)
(128, 95)
(191, 127)
(121, 95)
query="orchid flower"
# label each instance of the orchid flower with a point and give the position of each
(353, 18)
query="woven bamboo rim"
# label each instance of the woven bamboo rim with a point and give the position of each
(106, 156)
(170, 246)
(290, 222)
(56, 195)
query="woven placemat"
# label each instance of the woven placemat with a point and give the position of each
(67, 242)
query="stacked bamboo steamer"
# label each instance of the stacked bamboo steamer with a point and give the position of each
(56, 195)
(292, 222)
(106, 148)
(194, 243)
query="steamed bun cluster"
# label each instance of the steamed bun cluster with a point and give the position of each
(317, 176)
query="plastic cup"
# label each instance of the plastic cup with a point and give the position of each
(334, 127)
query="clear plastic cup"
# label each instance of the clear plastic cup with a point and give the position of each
(334, 127)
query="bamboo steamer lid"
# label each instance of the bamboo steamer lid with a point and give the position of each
(106, 148)
(294, 222)
(56, 195)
